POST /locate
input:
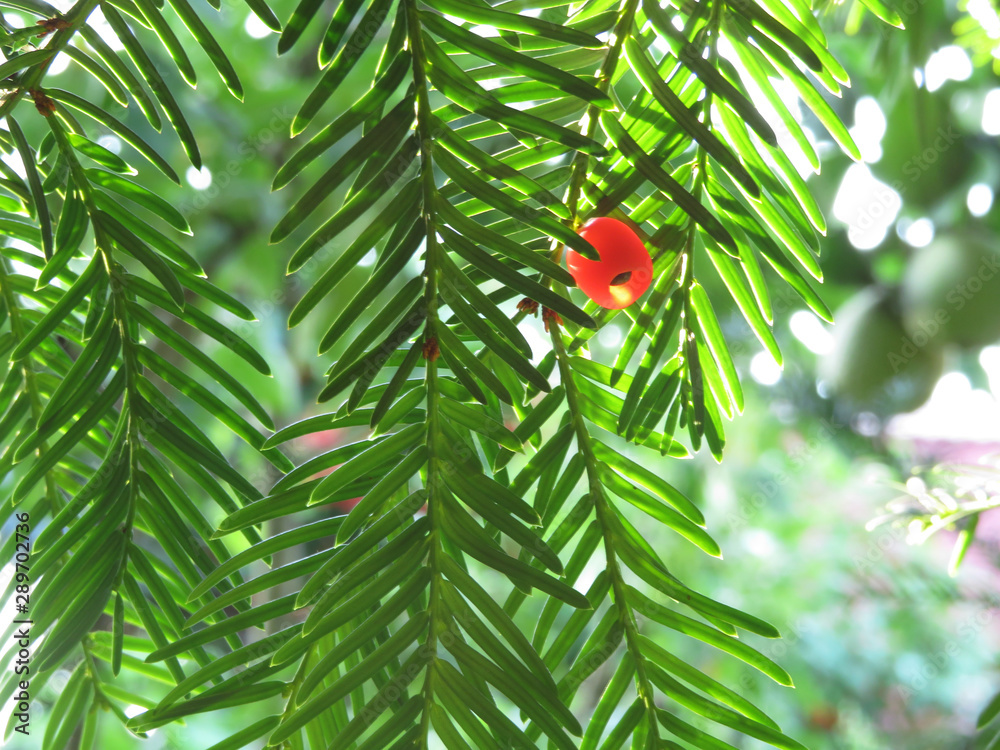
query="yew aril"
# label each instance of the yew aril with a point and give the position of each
(624, 271)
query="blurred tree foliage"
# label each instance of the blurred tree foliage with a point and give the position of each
(156, 429)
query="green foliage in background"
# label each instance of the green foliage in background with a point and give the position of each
(519, 536)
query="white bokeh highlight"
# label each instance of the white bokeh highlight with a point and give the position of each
(764, 369)
(199, 179)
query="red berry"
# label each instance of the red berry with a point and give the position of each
(624, 271)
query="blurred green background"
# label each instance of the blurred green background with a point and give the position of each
(887, 650)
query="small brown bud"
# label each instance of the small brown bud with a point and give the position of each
(431, 349)
(43, 103)
(528, 306)
(52, 24)
(550, 316)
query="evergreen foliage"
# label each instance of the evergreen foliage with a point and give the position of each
(483, 153)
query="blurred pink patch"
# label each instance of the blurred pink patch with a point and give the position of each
(346, 506)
